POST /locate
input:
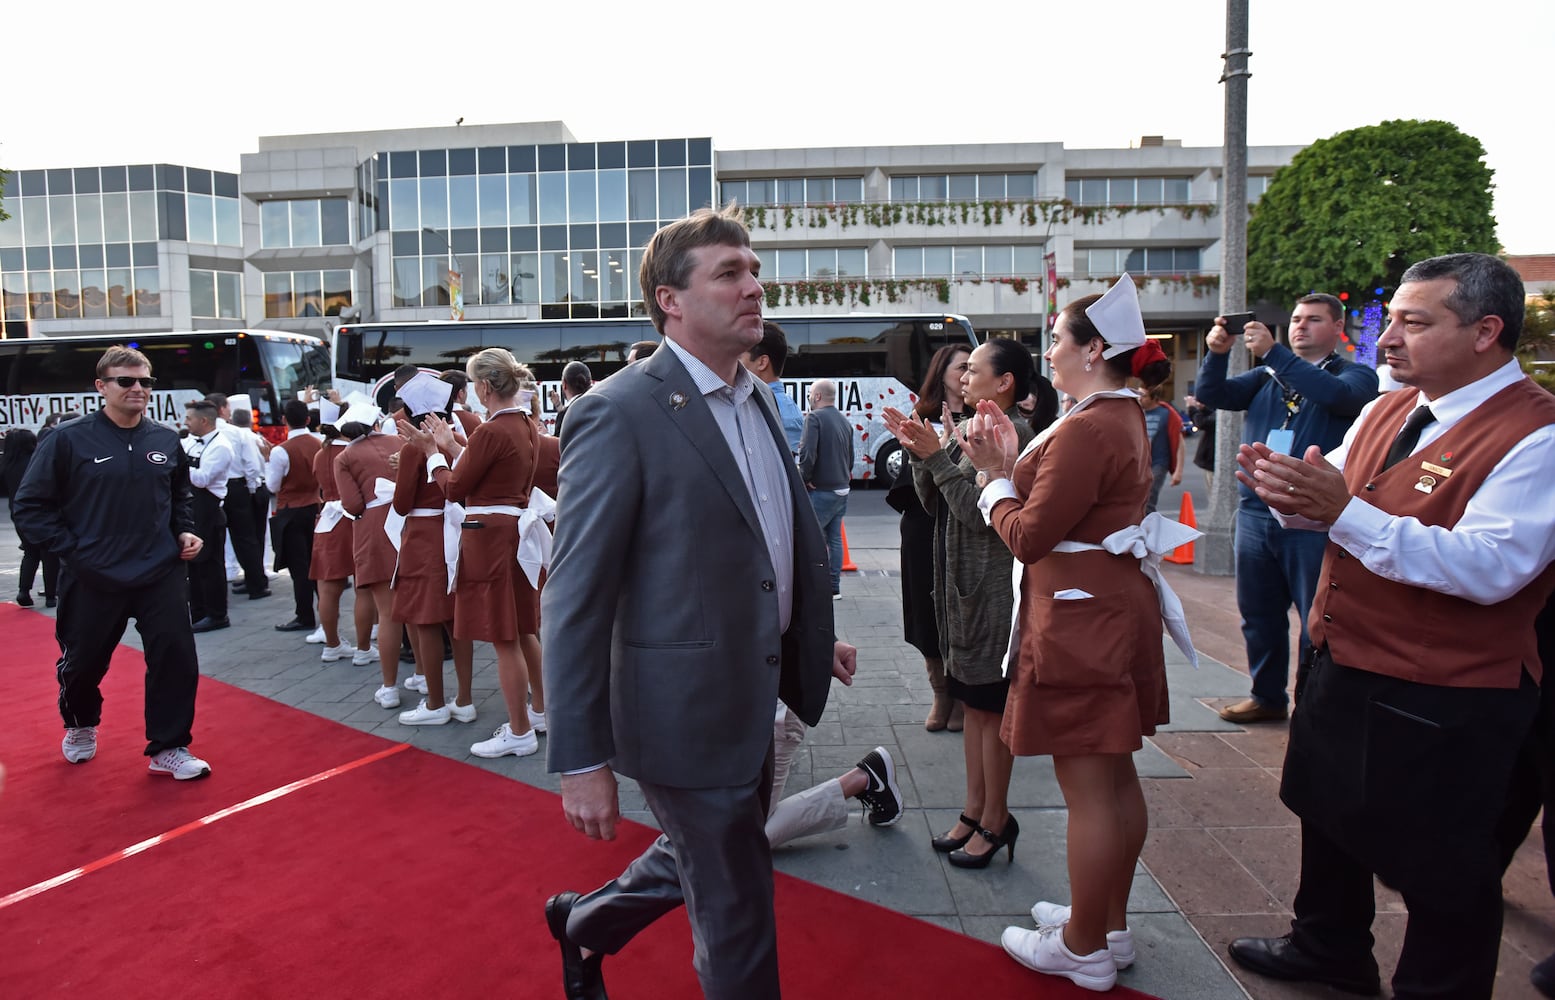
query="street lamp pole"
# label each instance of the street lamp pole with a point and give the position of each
(1215, 555)
(455, 278)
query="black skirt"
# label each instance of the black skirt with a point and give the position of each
(918, 622)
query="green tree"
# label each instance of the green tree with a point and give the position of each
(1538, 340)
(5, 180)
(1351, 212)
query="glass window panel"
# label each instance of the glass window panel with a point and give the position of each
(143, 254)
(434, 282)
(62, 219)
(89, 218)
(759, 192)
(699, 187)
(494, 279)
(407, 281)
(67, 294)
(521, 200)
(229, 222)
(38, 258)
(553, 197)
(1120, 191)
(969, 260)
(850, 189)
(1133, 260)
(1028, 260)
(1093, 190)
(936, 260)
(121, 290)
(732, 191)
(462, 210)
(434, 199)
(990, 187)
(1148, 190)
(335, 221)
(148, 292)
(305, 222)
(582, 200)
(612, 196)
(65, 256)
(997, 261)
(852, 262)
(963, 187)
(94, 293)
(461, 161)
(1176, 190)
(403, 198)
(791, 264)
(1186, 259)
(823, 263)
(35, 221)
(790, 190)
(143, 216)
(904, 189)
(40, 294)
(819, 190)
(633, 269)
(278, 296)
(1020, 186)
(768, 259)
(202, 218)
(553, 277)
(672, 191)
(525, 283)
(1072, 189)
(434, 162)
(584, 277)
(11, 226)
(615, 287)
(494, 196)
(13, 287)
(337, 291)
(91, 255)
(202, 293)
(229, 295)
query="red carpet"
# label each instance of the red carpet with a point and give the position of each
(408, 876)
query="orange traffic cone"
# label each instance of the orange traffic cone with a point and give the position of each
(847, 560)
(1184, 553)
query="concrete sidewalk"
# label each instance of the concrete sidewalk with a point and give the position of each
(1222, 857)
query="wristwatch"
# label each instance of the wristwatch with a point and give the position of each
(982, 480)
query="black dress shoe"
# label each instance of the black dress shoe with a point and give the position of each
(945, 843)
(294, 626)
(50, 601)
(581, 977)
(262, 593)
(1005, 838)
(1278, 958)
(23, 599)
(210, 624)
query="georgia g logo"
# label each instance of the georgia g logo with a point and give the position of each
(156, 458)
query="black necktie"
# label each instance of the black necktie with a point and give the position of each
(1404, 444)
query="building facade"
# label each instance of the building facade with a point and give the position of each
(525, 221)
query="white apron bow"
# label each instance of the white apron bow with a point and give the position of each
(330, 515)
(534, 536)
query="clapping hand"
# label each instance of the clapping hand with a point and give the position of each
(419, 437)
(989, 440)
(912, 431)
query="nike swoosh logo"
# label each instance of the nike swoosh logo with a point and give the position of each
(100, 461)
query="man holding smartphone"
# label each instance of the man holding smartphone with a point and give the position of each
(1299, 395)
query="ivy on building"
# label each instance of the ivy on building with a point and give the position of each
(873, 291)
(1032, 213)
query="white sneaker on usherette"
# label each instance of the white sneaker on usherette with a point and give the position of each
(374, 635)
(362, 657)
(423, 716)
(180, 763)
(1043, 950)
(461, 713)
(340, 652)
(503, 743)
(417, 683)
(536, 719)
(80, 744)
(316, 637)
(387, 697)
(1119, 943)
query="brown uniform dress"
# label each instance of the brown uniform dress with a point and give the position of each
(468, 421)
(421, 594)
(494, 601)
(364, 461)
(332, 551)
(1091, 676)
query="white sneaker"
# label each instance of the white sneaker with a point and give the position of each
(340, 652)
(1043, 950)
(417, 683)
(536, 719)
(387, 697)
(503, 742)
(423, 716)
(362, 657)
(1119, 943)
(80, 745)
(374, 636)
(316, 637)
(461, 713)
(180, 763)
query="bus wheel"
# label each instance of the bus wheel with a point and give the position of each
(888, 464)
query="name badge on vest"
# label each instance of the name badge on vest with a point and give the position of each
(1437, 469)
(1426, 484)
(1281, 440)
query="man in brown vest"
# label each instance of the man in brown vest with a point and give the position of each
(1425, 684)
(289, 475)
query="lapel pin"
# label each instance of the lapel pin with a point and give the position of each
(1426, 484)
(678, 400)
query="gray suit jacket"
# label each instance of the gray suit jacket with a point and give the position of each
(663, 655)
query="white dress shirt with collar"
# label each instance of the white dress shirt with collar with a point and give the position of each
(211, 463)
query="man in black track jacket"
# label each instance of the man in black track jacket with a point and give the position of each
(109, 494)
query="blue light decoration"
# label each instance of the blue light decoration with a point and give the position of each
(1371, 329)
(134, 345)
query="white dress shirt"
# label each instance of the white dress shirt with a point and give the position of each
(248, 461)
(1506, 535)
(280, 463)
(211, 464)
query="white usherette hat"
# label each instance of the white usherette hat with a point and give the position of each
(1118, 319)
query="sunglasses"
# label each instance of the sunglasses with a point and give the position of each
(128, 381)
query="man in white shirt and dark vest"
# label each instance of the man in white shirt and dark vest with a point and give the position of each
(289, 477)
(1425, 683)
(211, 465)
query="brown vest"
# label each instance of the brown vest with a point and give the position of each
(1374, 624)
(299, 487)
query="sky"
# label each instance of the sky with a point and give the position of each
(88, 82)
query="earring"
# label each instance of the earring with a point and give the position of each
(1087, 364)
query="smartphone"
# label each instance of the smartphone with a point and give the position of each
(1237, 322)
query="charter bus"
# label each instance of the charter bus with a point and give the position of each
(44, 375)
(876, 360)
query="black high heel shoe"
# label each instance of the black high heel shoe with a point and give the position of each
(1006, 839)
(945, 843)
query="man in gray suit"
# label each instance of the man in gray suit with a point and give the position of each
(688, 591)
